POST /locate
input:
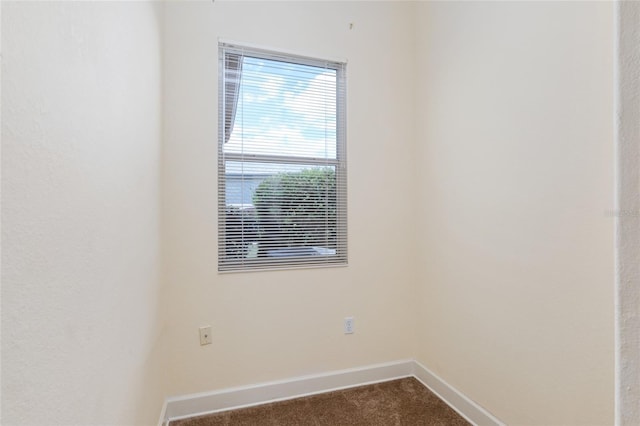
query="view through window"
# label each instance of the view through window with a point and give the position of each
(282, 165)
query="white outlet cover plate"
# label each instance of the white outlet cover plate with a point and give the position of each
(348, 325)
(205, 335)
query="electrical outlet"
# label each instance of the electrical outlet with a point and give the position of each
(348, 325)
(205, 335)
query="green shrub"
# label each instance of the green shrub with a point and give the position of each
(296, 209)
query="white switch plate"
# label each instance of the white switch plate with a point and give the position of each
(205, 335)
(348, 325)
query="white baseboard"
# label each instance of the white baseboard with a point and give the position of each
(226, 399)
(466, 407)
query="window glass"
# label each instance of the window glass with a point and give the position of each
(282, 165)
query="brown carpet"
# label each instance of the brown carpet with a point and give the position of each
(397, 402)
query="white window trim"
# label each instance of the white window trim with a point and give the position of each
(340, 163)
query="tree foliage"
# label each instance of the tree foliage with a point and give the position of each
(296, 209)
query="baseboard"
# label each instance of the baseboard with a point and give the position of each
(240, 397)
(467, 408)
(246, 396)
(163, 414)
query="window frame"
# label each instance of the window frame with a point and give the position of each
(340, 258)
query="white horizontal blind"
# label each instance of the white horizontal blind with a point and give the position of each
(281, 161)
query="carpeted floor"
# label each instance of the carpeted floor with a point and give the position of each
(398, 402)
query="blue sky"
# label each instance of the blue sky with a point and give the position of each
(285, 109)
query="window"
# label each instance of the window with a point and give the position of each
(281, 161)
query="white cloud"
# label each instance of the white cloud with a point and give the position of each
(317, 102)
(281, 140)
(301, 123)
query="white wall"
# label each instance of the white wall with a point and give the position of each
(516, 152)
(274, 325)
(81, 131)
(628, 213)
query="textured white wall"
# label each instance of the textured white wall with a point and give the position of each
(515, 133)
(81, 132)
(628, 213)
(280, 324)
